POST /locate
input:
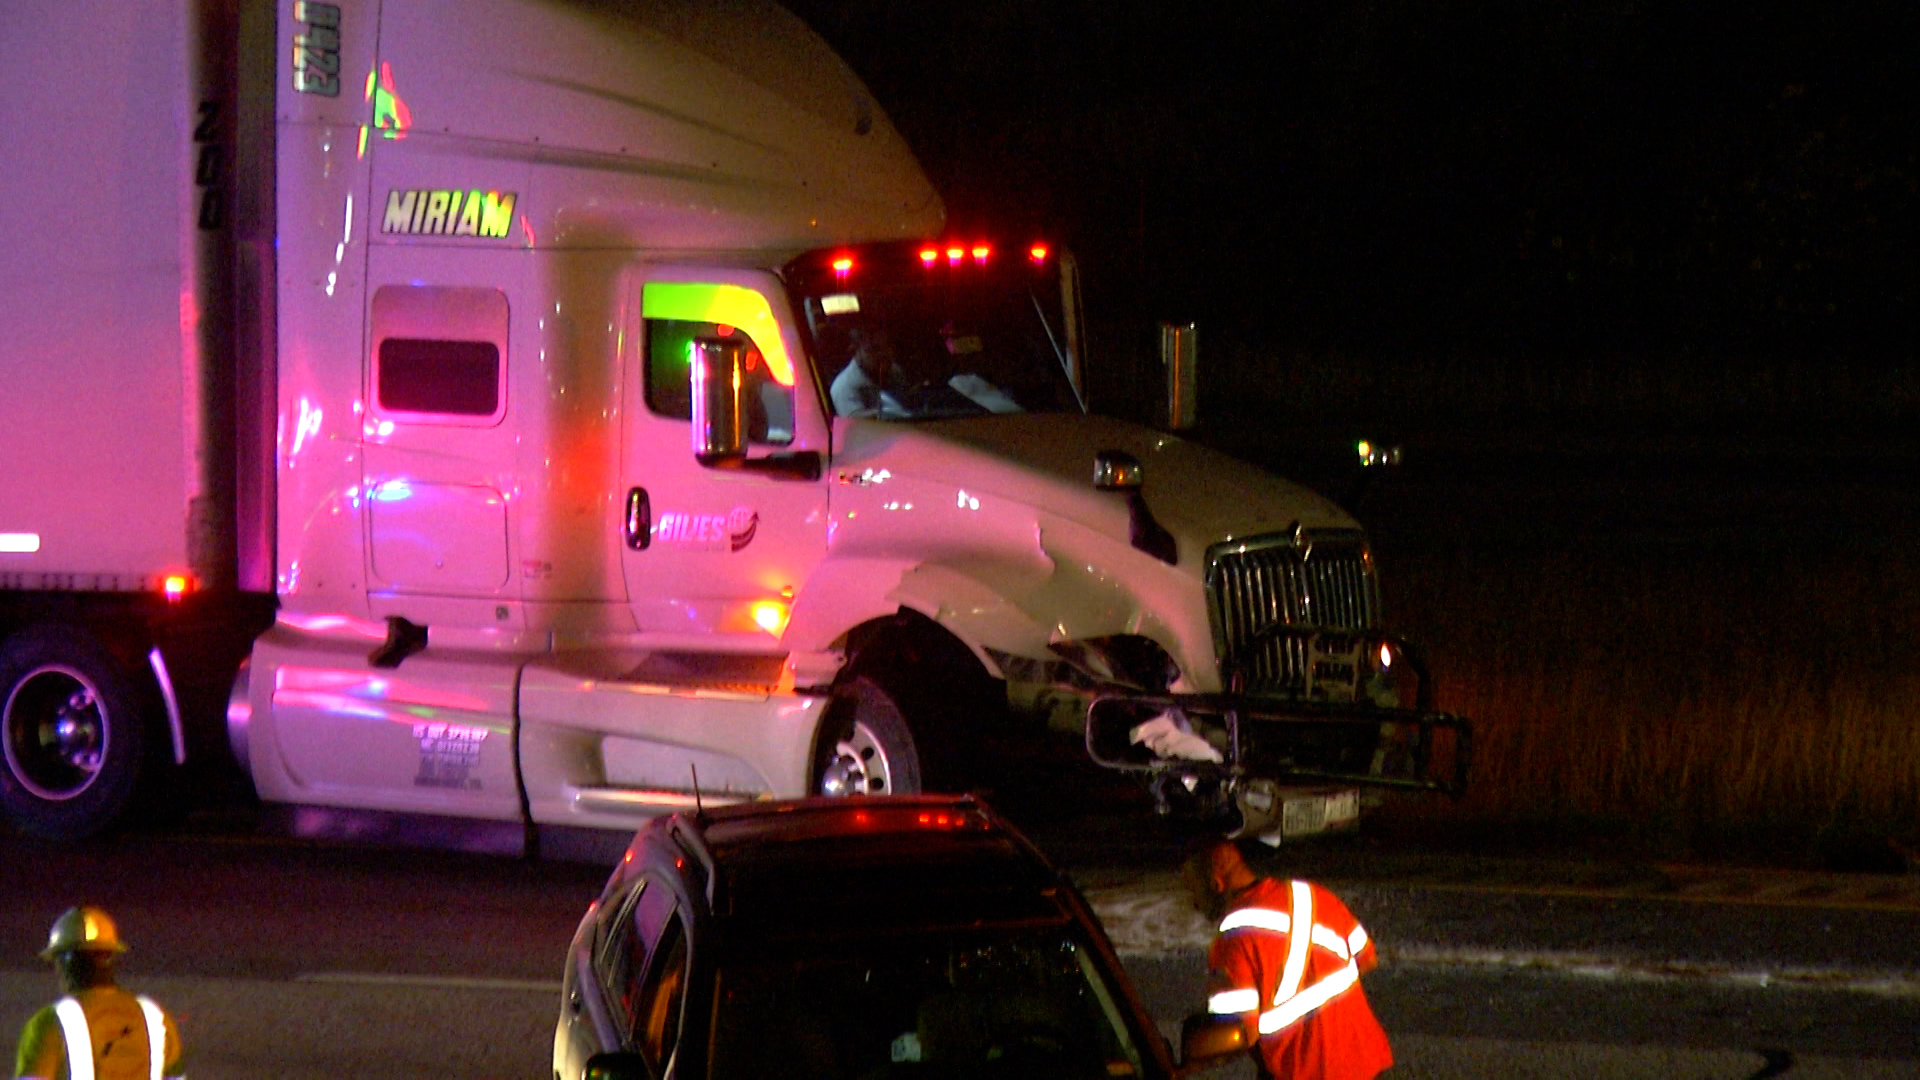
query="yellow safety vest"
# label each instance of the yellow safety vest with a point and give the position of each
(73, 1025)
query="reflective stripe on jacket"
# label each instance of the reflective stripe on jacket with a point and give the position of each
(1291, 1000)
(79, 1037)
(1300, 991)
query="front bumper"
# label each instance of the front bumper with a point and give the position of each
(1274, 759)
(1309, 742)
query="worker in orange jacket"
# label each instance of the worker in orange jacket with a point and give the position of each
(1288, 959)
(96, 1031)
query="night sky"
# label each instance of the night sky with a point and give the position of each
(1562, 177)
(1632, 281)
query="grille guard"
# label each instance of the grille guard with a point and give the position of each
(1264, 736)
(1295, 739)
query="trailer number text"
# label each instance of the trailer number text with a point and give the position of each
(316, 49)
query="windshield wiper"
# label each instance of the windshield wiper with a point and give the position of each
(1059, 354)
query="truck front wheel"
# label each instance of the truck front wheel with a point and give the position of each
(865, 746)
(70, 730)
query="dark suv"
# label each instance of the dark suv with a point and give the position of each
(883, 938)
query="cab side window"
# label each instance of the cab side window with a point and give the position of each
(769, 405)
(439, 354)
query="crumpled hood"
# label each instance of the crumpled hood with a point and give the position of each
(1046, 461)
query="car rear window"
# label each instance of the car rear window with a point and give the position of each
(1002, 1003)
(893, 879)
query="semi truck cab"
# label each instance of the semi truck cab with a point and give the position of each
(596, 397)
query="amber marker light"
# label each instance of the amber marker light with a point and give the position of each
(771, 616)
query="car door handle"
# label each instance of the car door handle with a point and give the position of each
(639, 520)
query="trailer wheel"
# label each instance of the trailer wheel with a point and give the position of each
(865, 746)
(70, 731)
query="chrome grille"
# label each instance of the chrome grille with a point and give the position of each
(1311, 580)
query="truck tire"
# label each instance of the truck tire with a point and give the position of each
(70, 734)
(865, 746)
(912, 701)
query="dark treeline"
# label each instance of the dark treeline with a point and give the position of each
(1567, 175)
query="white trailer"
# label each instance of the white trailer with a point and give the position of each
(452, 380)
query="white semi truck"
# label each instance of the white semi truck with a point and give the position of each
(433, 402)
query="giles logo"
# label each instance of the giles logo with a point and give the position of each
(448, 212)
(742, 523)
(730, 531)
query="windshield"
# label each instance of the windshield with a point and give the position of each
(927, 332)
(951, 1006)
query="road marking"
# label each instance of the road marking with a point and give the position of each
(1883, 983)
(432, 982)
(1150, 918)
(1684, 884)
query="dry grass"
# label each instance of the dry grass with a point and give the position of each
(1762, 705)
(1745, 686)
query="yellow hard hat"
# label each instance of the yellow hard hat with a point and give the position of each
(83, 929)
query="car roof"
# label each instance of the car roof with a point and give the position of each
(728, 829)
(904, 863)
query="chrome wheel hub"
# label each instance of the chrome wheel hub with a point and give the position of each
(858, 766)
(55, 733)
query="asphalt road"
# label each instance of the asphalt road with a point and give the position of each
(294, 959)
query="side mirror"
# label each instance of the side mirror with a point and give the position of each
(719, 427)
(1208, 1038)
(1117, 470)
(1178, 351)
(617, 1065)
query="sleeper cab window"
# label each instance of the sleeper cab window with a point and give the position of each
(440, 354)
(766, 404)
